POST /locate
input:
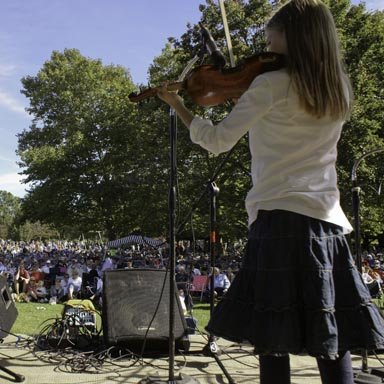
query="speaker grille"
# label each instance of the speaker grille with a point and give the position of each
(136, 307)
(8, 311)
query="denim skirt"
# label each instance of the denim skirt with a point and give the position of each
(298, 291)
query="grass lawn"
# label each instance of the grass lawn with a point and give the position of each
(32, 316)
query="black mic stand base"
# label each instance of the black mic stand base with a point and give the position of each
(370, 377)
(18, 378)
(182, 379)
(213, 350)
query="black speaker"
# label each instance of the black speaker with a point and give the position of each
(136, 311)
(8, 311)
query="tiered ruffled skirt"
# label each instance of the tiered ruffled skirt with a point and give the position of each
(298, 291)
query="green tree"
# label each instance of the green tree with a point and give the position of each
(362, 38)
(36, 231)
(74, 153)
(10, 207)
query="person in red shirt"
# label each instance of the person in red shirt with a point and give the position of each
(377, 269)
(36, 273)
(22, 278)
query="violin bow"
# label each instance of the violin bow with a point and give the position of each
(227, 35)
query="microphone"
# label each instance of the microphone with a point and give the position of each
(216, 56)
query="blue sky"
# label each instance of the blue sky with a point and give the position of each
(122, 32)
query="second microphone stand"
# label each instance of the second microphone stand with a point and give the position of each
(212, 348)
(356, 211)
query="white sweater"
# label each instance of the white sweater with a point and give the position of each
(293, 153)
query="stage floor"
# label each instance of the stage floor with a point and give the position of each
(43, 367)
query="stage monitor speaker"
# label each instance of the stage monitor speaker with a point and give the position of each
(136, 311)
(8, 311)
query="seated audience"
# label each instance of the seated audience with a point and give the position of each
(57, 292)
(221, 282)
(41, 292)
(182, 278)
(21, 279)
(3, 268)
(190, 320)
(372, 283)
(45, 266)
(64, 284)
(230, 274)
(94, 292)
(36, 273)
(74, 285)
(35, 291)
(377, 269)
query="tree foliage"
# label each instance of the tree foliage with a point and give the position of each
(10, 207)
(32, 231)
(362, 37)
(75, 152)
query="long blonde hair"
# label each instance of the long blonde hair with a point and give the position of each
(314, 59)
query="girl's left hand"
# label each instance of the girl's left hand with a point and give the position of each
(167, 96)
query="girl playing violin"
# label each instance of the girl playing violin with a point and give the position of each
(298, 289)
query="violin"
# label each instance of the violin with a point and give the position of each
(208, 86)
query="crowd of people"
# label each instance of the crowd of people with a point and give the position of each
(52, 271)
(59, 271)
(373, 272)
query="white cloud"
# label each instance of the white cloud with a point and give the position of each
(12, 104)
(11, 182)
(6, 70)
(10, 178)
(8, 160)
(375, 4)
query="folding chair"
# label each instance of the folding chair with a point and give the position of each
(199, 285)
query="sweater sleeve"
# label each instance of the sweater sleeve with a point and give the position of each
(252, 106)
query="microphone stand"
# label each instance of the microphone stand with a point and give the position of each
(211, 349)
(356, 209)
(172, 239)
(16, 377)
(219, 61)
